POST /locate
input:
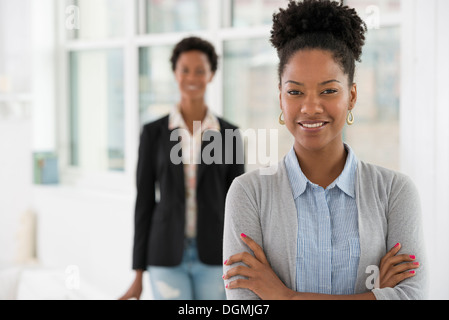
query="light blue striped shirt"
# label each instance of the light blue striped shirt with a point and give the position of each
(328, 236)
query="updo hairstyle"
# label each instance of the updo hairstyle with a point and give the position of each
(319, 24)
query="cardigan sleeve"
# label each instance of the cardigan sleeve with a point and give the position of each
(241, 216)
(405, 227)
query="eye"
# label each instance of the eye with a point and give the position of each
(330, 91)
(294, 92)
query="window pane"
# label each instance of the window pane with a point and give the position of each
(249, 13)
(158, 91)
(97, 110)
(251, 95)
(174, 15)
(385, 6)
(95, 19)
(377, 13)
(377, 110)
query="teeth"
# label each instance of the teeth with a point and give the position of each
(312, 126)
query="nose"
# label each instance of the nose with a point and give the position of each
(190, 76)
(311, 105)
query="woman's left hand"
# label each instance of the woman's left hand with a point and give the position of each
(261, 278)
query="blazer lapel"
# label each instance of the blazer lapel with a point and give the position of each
(177, 170)
(202, 167)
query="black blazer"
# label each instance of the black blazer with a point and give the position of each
(159, 225)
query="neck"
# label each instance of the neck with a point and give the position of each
(193, 110)
(322, 166)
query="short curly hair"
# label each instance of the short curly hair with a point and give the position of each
(195, 44)
(319, 24)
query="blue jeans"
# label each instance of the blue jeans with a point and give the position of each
(191, 280)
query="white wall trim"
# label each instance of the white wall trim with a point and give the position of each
(424, 125)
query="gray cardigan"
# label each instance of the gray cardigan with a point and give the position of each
(262, 207)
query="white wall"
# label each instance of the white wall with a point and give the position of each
(424, 125)
(85, 228)
(15, 183)
(15, 124)
(90, 230)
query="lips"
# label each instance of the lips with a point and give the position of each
(192, 88)
(313, 124)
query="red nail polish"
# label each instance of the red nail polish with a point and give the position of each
(416, 263)
(243, 235)
(412, 257)
(412, 272)
(225, 262)
(397, 245)
(227, 286)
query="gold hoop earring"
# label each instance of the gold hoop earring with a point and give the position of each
(350, 119)
(281, 122)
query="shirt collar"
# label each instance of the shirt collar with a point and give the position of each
(298, 181)
(175, 120)
(346, 181)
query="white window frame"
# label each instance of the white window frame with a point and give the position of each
(130, 44)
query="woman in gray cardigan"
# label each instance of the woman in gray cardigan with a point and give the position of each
(322, 224)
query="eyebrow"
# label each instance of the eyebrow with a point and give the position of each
(321, 84)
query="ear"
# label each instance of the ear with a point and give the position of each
(353, 96)
(176, 75)
(211, 76)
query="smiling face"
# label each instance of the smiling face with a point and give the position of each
(315, 98)
(193, 74)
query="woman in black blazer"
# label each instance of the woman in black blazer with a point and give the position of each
(179, 211)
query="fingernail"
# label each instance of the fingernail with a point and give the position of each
(397, 245)
(412, 257)
(412, 272)
(226, 261)
(243, 235)
(223, 276)
(416, 263)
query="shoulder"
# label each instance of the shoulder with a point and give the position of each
(155, 126)
(262, 182)
(152, 131)
(226, 125)
(253, 194)
(392, 186)
(381, 176)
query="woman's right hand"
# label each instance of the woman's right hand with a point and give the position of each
(136, 288)
(396, 268)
